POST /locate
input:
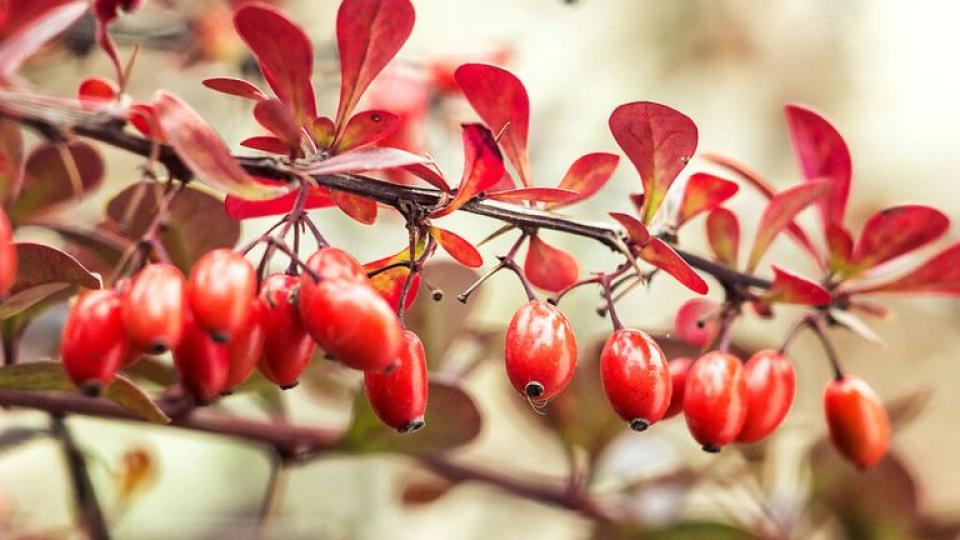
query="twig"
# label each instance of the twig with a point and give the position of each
(88, 508)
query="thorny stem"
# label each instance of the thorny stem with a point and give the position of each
(507, 261)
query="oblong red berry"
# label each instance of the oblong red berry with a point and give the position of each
(330, 263)
(94, 344)
(540, 350)
(679, 367)
(246, 347)
(635, 377)
(352, 323)
(154, 306)
(203, 363)
(288, 345)
(399, 396)
(696, 321)
(221, 286)
(714, 400)
(770, 383)
(858, 422)
(8, 255)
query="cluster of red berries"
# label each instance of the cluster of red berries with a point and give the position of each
(219, 329)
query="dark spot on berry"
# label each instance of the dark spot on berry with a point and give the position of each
(639, 424)
(533, 389)
(220, 336)
(711, 448)
(413, 426)
(91, 389)
(289, 386)
(158, 347)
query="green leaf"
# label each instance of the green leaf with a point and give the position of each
(43, 271)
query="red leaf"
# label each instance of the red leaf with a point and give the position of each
(95, 92)
(839, 247)
(723, 234)
(365, 159)
(369, 35)
(322, 129)
(144, 119)
(660, 254)
(636, 230)
(501, 101)
(821, 153)
(781, 211)
(276, 118)
(549, 268)
(390, 282)
(202, 149)
(31, 36)
(939, 275)
(235, 87)
(703, 193)
(659, 141)
(266, 143)
(587, 175)
(896, 231)
(789, 288)
(365, 128)
(238, 208)
(284, 54)
(427, 173)
(482, 168)
(359, 208)
(534, 194)
(458, 248)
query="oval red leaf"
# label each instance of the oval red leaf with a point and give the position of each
(636, 230)
(235, 87)
(276, 118)
(464, 252)
(365, 159)
(783, 207)
(549, 268)
(660, 254)
(238, 208)
(366, 128)
(821, 153)
(723, 235)
(939, 275)
(31, 36)
(703, 193)
(897, 231)
(482, 168)
(789, 288)
(359, 208)
(534, 194)
(587, 175)
(266, 143)
(839, 248)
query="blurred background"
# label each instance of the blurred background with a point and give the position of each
(879, 69)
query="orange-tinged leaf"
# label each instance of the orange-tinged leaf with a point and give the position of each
(322, 129)
(781, 211)
(464, 252)
(365, 159)
(365, 128)
(359, 208)
(284, 55)
(202, 150)
(636, 230)
(659, 142)
(839, 248)
(660, 254)
(723, 235)
(549, 268)
(534, 194)
(235, 87)
(266, 143)
(276, 118)
(389, 283)
(938, 275)
(897, 231)
(821, 153)
(501, 101)
(369, 35)
(482, 168)
(587, 175)
(789, 288)
(703, 193)
(238, 208)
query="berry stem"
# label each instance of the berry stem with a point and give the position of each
(506, 261)
(611, 306)
(816, 324)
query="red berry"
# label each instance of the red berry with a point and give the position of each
(329, 263)
(246, 347)
(153, 308)
(94, 344)
(222, 284)
(859, 425)
(353, 323)
(288, 345)
(714, 400)
(8, 255)
(679, 367)
(696, 321)
(770, 384)
(540, 350)
(202, 362)
(399, 396)
(635, 377)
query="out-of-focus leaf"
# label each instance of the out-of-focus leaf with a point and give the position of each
(11, 160)
(366, 128)
(549, 268)
(458, 248)
(686, 530)
(284, 54)
(704, 192)
(369, 35)
(55, 175)
(266, 143)
(14, 437)
(534, 194)
(96, 91)
(362, 209)
(30, 37)
(238, 208)
(660, 254)
(152, 369)
(939, 275)
(365, 159)
(203, 151)
(587, 175)
(723, 235)
(636, 230)
(424, 488)
(276, 118)
(235, 87)
(98, 248)
(659, 142)
(907, 408)
(822, 154)
(856, 325)
(452, 420)
(501, 101)
(896, 231)
(143, 117)
(138, 470)
(50, 376)
(789, 288)
(43, 271)
(839, 248)
(440, 323)
(482, 168)
(781, 211)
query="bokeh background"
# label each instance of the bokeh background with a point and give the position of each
(881, 70)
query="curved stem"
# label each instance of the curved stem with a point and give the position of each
(816, 324)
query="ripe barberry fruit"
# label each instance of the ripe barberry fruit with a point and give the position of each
(288, 345)
(329, 263)
(202, 362)
(635, 377)
(221, 286)
(399, 396)
(540, 350)
(679, 367)
(696, 321)
(94, 344)
(714, 400)
(858, 422)
(8, 255)
(770, 384)
(246, 347)
(154, 306)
